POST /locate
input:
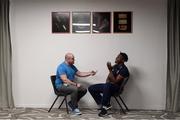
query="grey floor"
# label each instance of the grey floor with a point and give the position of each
(88, 114)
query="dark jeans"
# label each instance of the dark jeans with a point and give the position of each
(106, 89)
(76, 93)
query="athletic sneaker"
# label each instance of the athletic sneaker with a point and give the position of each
(77, 111)
(109, 106)
(103, 113)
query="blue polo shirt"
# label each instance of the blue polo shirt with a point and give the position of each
(64, 69)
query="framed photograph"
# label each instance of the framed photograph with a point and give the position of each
(101, 22)
(81, 22)
(122, 22)
(60, 22)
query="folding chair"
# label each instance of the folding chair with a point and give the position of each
(117, 95)
(53, 78)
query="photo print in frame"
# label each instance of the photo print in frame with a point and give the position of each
(81, 22)
(60, 22)
(101, 22)
(122, 22)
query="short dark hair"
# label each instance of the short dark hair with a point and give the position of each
(125, 56)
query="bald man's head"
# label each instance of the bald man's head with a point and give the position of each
(69, 58)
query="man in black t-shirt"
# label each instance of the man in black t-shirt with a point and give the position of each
(102, 92)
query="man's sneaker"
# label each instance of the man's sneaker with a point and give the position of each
(103, 113)
(109, 106)
(76, 111)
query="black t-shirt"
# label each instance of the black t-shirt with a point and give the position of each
(120, 70)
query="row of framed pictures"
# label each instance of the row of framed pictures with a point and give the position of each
(92, 22)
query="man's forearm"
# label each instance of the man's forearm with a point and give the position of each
(111, 77)
(116, 79)
(84, 74)
(67, 81)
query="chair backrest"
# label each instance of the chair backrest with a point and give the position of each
(53, 79)
(123, 84)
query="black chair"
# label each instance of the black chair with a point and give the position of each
(117, 95)
(53, 78)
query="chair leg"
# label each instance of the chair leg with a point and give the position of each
(66, 104)
(123, 103)
(61, 103)
(53, 104)
(119, 105)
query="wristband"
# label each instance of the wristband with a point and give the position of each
(65, 84)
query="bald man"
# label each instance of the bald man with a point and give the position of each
(65, 83)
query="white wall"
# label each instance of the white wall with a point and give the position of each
(37, 52)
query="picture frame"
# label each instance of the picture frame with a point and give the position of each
(60, 22)
(101, 22)
(122, 22)
(81, 22)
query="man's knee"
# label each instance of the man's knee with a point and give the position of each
(93, 89)
(90, 88)
(83, 89)
(73, 89)
(107, 85)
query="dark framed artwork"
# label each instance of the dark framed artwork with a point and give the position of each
(81, 22)
(60, 22)
(101, 22)
(122, 22)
